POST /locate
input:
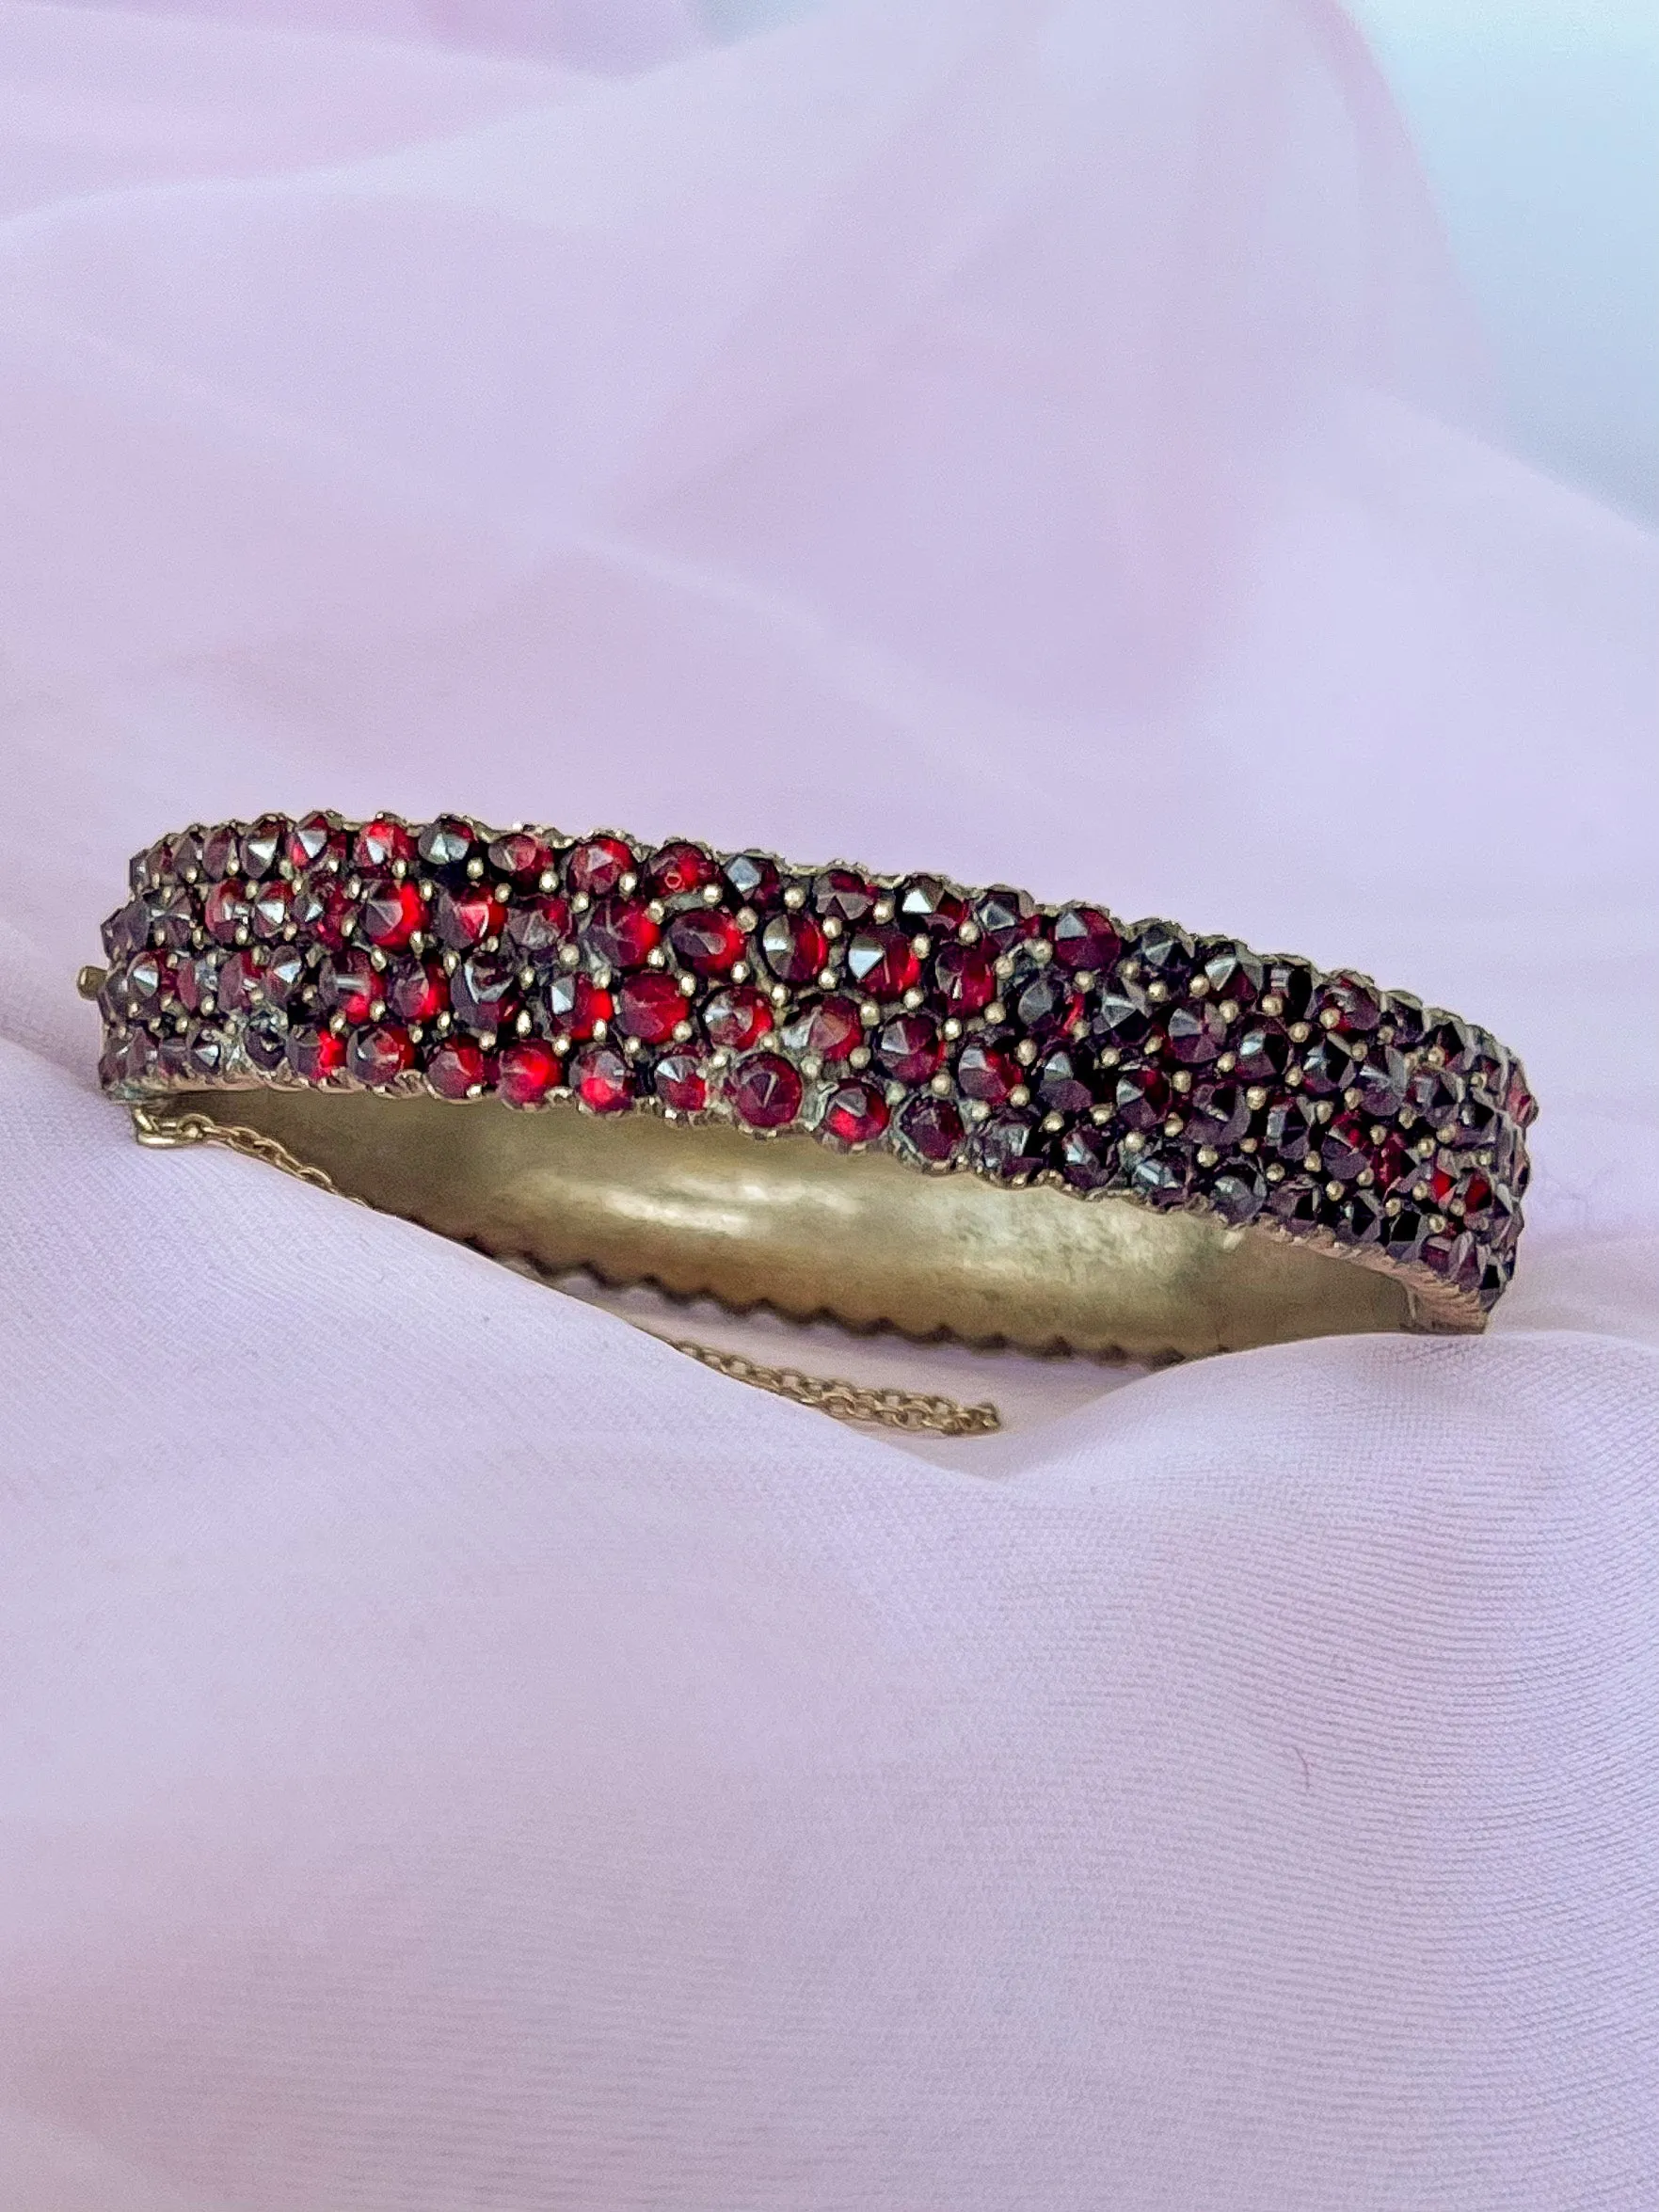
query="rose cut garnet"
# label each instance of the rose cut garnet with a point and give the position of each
(523, 857)
(458, 1070)
(1196, 1032)
(314, 1055)
(839, 895)
(526, 1074)
(619, 933)
(927, 902)
(483, 992)
(932, 1128)
(1142, 1097)
(1008, 1147)
(417, 992)
(1063, 1083)
(738, 1018)
(966, 977)
(391, 913)
(262, 845)
(465, 917)
(793, 947)
(910, 1048)
(1087, 1157)
(379, 1055)
(446, 845)
(676, 870)
(576, 1005)
(755, 879)
(883, 962)
(1007, 919)
(238, 984)
(988, 1070)
(1084, 937)
(225, 911)
(537, 927)
(319, 910)
(681, 1083)
(706, 940)
(378, 843)
(312, 840)
(348, 985)
(598, 1076)
(855, 1114)
(649, 1007)
(268, 910)
(831, 1028)
(597, 867)
(766, 1091)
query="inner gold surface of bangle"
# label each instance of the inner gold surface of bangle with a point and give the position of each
(706, 1211)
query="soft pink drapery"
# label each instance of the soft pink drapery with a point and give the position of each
(455, 1752)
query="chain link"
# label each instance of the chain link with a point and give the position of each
(916, 1412)
(913, 1410)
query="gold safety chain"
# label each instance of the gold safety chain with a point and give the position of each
(915, 1412)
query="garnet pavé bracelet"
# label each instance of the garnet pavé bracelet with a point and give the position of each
(993, 1120)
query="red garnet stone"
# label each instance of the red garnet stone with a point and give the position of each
(766, 1091)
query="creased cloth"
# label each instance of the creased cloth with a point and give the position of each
(455, 1753)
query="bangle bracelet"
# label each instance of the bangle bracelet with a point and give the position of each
(983, 1118)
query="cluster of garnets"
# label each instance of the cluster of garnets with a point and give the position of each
(958, 1028)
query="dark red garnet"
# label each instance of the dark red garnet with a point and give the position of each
(225, 911)
(619, 933)
(522, 856)
(1063, 1082)
(766, 1091)
(597, 867)
(966, 977)
(831, 1028)
(1196, 1032)
(314, 840)
(927, 902)
(855, 1114)
(839, 895)
(1346, 1152)
(932, 1128)
(576, 1005)
(466, 916)
(319, 910)
(1007, 919)
(379, 1055)
(793, 947)
(540, 925)
(909, 1047)
(220, 853)
(527, 1073)
(1010, 1147)
(599, 1076)
(262, 846)
(1218, 1114)
(1232, 971)
(268, 910)
(706, 940)
(677, 870)
(238, 986)
(1084, 937)
(379, 843)
(284, 974)
(681, 1082)
(988, 1070)
(148, 978)
(1045, 1001)
(314, 1055)
(1356, 1005)
(446, 845)
(483, 992)
(1142, 1097)
(1264, 1053)
(458, 1070)
(391, 913)
(416, 990)
(738, 1018)
(883, 962)
(347, 984)
(649, 1007)
(1087, 1157)
(755, 879)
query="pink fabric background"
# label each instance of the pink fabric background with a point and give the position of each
(455, 1753)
